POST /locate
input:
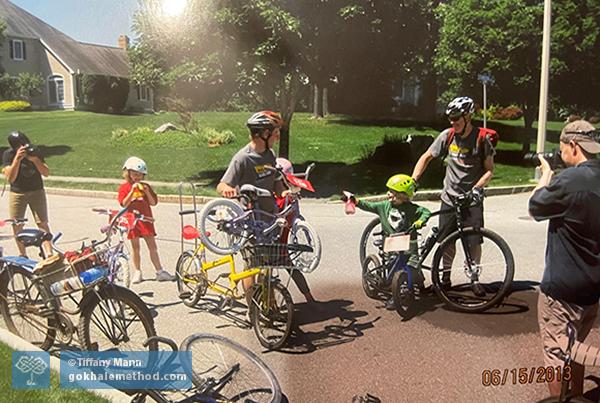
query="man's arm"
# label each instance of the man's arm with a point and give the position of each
(12, 171)
(549, 198)
(40, 165)
(422, 164)
(488, 166)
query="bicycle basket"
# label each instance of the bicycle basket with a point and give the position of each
(274, 256)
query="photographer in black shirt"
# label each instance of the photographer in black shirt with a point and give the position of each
(570, 286)
(23, 167)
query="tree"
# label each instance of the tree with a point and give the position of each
(503, 37)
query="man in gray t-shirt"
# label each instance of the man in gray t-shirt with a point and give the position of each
(470, 166)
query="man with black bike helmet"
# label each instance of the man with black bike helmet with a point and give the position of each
(470, 166)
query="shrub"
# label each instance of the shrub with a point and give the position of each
(11, 106)
(594, 119)
(216, 138)
(172, 138)
(512, 112)
(102, 93)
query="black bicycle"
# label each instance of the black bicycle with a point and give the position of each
(472, 268)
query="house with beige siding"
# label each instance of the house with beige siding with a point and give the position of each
(31, 45)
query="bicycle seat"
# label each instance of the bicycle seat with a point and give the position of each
(253, 191)
(33, 237)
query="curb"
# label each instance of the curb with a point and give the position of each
(428, 195)
(17, 343)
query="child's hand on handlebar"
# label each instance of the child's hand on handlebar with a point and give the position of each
(418, 224)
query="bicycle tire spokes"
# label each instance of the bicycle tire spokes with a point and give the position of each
(480, 273)
(223, 370)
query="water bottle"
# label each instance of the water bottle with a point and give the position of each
(93, 274)
(66, 285)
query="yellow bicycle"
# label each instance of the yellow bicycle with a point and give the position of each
(272, 306)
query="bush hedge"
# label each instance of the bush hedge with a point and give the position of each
(12, 106)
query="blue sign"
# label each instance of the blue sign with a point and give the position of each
(30, 370)
(161, 370)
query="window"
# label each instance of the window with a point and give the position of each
(56, 89)
(143, 93)
(17, 49)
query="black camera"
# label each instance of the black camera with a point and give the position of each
(553, 158)
(30, 149)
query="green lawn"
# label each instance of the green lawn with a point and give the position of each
(80, 144)
(52, 395)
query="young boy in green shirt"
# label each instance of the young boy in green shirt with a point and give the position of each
(398, 214)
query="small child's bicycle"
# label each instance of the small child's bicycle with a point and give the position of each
(272, 306)
(472, 268)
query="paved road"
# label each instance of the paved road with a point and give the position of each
(351, 345)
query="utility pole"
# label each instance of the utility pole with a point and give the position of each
(485, 79)
(543, 106)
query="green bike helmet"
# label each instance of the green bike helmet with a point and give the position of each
(402, 183)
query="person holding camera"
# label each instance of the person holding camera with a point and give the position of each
(23, 168)
(570, 287)
(470, 167)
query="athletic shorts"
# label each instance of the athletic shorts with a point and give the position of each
(35, 199)
(472, 217)
(553, 316)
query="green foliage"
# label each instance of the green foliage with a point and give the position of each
(104, 93)
(183, 108)
(24, 86)
(12, 106)
(145, 136)
(29, 85)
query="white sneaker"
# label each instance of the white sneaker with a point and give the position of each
(163, 275)
(136, 277)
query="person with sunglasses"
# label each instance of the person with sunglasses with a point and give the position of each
(570, 287)
(470, 166)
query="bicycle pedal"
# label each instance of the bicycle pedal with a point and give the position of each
(185, 295)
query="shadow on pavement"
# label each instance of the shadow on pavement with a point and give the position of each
(342, 326)
(516, 315)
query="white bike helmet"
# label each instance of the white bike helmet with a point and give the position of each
(285, 165)
(460, 106)
(136, 164)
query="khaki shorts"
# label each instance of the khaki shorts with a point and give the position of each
(553, 316)
(36, 200)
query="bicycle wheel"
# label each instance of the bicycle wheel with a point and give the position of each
(303, 233)
(216, 215)
(115, 318)
(368, 239)
(404, 297)
(123, 270)
(22, 302)
(373, 275)
(191, 280)
(226, 371)
(457, 283)
(271, 313)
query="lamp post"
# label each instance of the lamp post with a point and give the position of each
(543, 105)
(485, 79)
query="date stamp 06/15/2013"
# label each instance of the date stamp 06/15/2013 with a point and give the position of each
(524, 376)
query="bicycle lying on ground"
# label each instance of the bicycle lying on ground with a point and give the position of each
(472, 277)
(272, 306)
(221, 371)
(37, 299)
(231, 224)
